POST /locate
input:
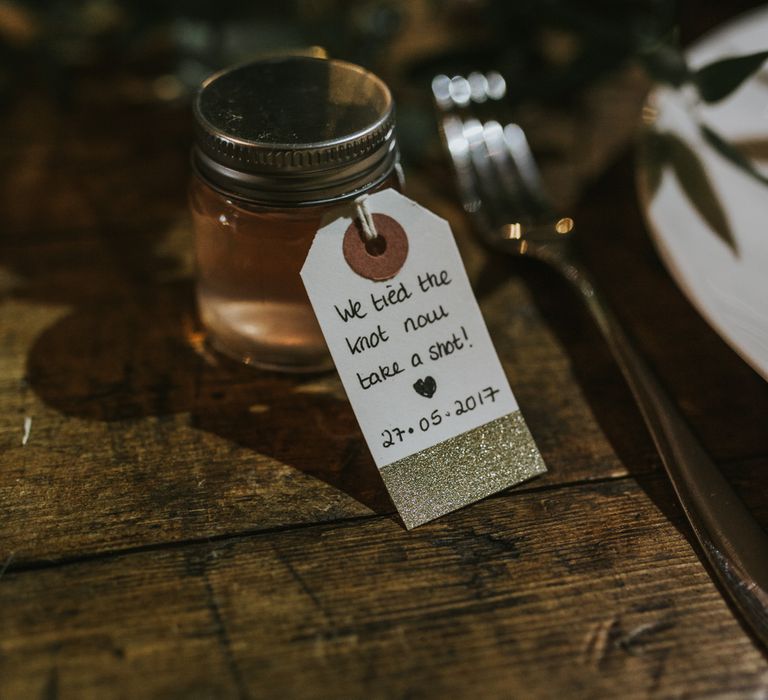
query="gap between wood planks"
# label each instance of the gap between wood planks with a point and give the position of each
(41, 564)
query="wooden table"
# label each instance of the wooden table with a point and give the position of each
(175, 525)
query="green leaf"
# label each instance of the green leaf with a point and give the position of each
(731, 153)
(718, 80)
(653, 155)
(667, 150)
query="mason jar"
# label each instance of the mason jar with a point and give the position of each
(280, 143)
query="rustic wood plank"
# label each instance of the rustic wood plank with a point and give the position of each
(570, 592)
(135, 438)
(139, 436)
(124, 446)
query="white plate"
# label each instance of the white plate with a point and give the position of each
(727, 283)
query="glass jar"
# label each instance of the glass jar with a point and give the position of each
(280, 144)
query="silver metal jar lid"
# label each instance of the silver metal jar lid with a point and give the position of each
(294, 130)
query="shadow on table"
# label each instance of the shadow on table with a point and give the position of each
(110, 243)
(114, 185)
(144, 357)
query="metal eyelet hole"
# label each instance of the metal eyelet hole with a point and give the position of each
(376, 246)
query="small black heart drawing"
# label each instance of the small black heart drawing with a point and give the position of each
(426, 387)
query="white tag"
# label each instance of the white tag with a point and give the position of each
(417, 362)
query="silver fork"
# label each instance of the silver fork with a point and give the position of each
(501, 188)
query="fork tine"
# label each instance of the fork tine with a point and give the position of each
(491, 192)
(513, 203)
(497, 175)
(479, 192)
(456, 142)
(449, 94)
(529, 174)
(441, 92)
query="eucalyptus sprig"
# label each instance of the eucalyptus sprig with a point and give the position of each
(709, 84)
(712, 83)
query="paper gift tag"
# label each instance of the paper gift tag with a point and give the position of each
(414, 355)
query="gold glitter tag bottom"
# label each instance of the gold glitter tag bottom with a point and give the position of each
(463, 469)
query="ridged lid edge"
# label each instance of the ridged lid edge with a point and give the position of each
(279, 157)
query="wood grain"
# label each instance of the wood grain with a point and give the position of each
(500, 600)
(139, 435)
(175, 525)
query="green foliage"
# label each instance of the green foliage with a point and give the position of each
(719, 79)
(663, 150)
(713, 82)
(731, 153)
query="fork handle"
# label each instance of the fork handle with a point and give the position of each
(733, 542)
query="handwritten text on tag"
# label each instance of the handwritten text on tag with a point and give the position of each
(412, 351)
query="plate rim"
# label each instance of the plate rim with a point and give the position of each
(645, 198)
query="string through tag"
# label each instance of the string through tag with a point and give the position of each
(375, 245)
(364, 217)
